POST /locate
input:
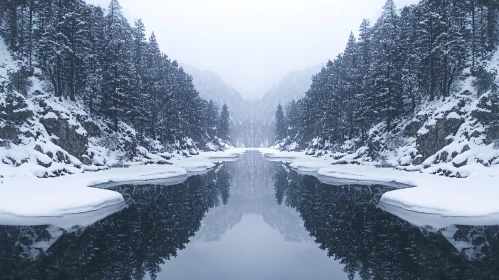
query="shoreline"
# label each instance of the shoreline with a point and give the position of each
(452, 199)
(25, 200)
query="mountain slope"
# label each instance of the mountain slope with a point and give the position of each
(45, 136)
(212, 87)
(252, 121)
(292, 87)
(416, 90)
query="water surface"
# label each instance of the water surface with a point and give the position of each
(250, 219)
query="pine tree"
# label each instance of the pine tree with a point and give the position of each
(352, 81)
(387, 64)
(118, 69)
(224, 123)
(280, 124)
(211, 119)
(363, 115)
(152, 81)
(108, 64)
(139, 108)
(410, 70)
(292, 119)
(51, 49)
(93, 58)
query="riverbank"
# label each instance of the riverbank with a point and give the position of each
(33, 201)
(469, 199)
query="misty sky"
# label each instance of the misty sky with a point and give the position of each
(252, 44)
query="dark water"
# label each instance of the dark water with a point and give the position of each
(250, 219)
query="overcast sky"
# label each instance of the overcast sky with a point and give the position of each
(252, 44)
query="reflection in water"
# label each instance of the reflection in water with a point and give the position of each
(156, 224)
(245, 215)
(251, 192)
(374, 244)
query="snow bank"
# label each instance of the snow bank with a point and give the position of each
(437, 221)
(69, 200)
(277, 155)
(65, 221)
(227, 155)
(470, 197)
(28, 197)
(472, 200)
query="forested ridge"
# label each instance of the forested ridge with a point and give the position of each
(406, 61)
(86, 54)
(252, 120)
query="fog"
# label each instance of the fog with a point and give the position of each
(252, 44)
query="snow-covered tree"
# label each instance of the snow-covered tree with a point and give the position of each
(224, 123)
(280, 124)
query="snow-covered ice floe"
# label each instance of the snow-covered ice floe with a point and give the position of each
(79, 199)
(65, 221)
(276, 155)
(438, 221)
(421, 198)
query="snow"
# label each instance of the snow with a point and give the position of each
(453, 115)
(66, 200)
(64, 221)
(437, 221)
(472, 200)
(50, 115)
(29, 197)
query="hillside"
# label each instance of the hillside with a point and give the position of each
(417, 90)
(212, 87)
(292, 87)
(114, 105)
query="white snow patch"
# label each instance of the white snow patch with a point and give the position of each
(453, 115)
(50, 115)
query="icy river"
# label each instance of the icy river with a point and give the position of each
(250, 219)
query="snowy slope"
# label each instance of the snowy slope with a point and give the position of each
(212, 87)
(451, 137)
(44, 136)
(293, 86)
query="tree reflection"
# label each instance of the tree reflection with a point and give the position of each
(157, 223)
(374, 244)
(252, 193)
(281, 184)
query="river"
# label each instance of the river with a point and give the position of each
(250, 219)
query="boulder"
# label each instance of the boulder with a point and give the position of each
(411, 130)
(418, 160)
(16, 110)
(434, 139)
(9, 132)
(68, 137)
(86, 160)
(93, 130)
(487, 113)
